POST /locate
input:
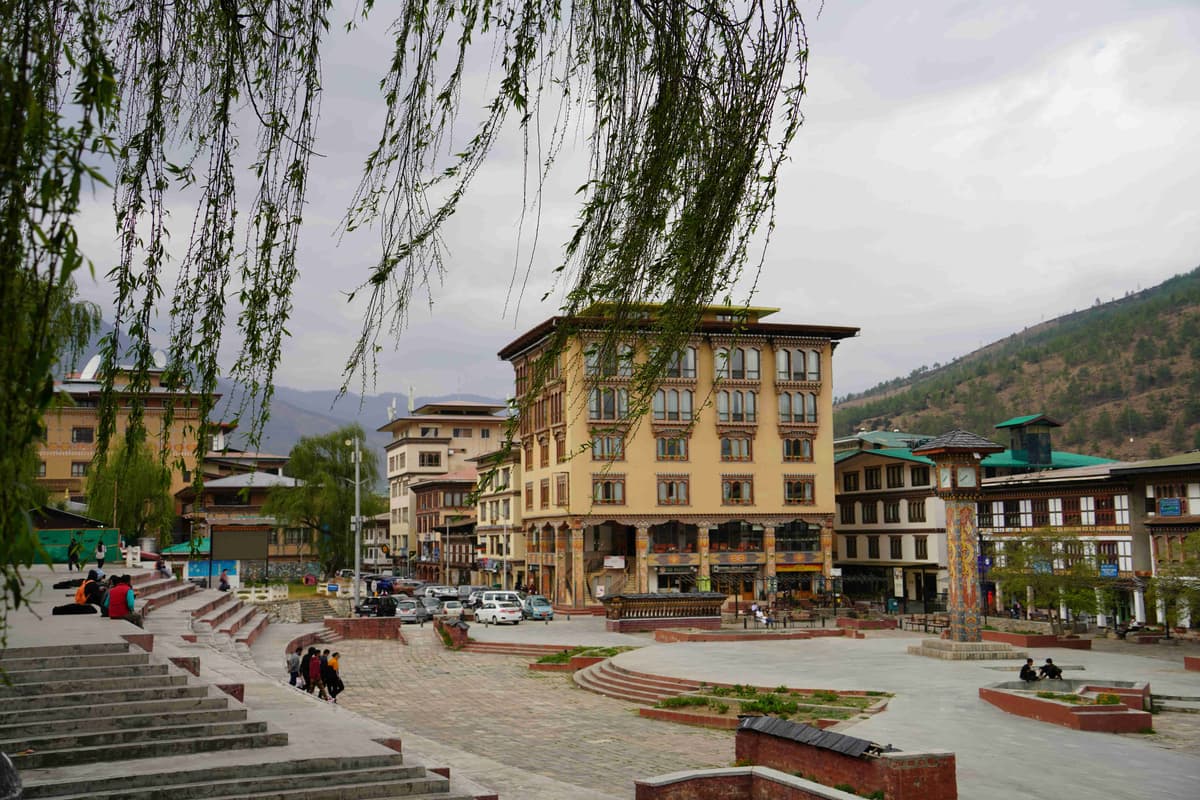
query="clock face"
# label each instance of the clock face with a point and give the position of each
(966, 476)
(945, 478)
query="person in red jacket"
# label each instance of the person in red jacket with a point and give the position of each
(120, 599)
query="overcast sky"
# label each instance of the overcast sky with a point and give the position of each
(965, 169)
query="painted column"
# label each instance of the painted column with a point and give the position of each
(962, 601)
(769, 548)
(641, 565)
(560, 565)
(1101, 612)
(1139, 606)
(578, 578)
(704, 577)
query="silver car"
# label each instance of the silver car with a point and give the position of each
(412, 611)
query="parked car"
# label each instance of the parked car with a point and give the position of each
(442, 592)
(465, 593)
(495, 613)
(501, 596)
(537, 607)
(475, 600)
(451, 608)
(376, 607)
(412, 611)
(433, 604)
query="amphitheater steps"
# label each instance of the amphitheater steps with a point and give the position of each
(611, 681)
(344, 778)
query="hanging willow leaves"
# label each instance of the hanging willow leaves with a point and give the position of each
(687, 110)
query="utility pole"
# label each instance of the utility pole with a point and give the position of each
(356, 525)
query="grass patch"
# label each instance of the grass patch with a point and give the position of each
(1073, 699)
(593, 652)
(1107, 699)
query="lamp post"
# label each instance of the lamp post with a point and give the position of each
(357, 524)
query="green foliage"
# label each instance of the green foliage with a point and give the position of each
(131, 489)
(51, 141)
(770, 704)
(1107, 699)
(323, 499)
(1175, 584)
(1058, 567)
(682, 701)
(825, 697)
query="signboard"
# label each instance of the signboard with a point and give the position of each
(1170, 507)
(614, 562)
(1043, 568)
(1109, 571)
(240, 545)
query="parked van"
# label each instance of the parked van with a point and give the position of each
(465, 592)
(442, 592)
(497, 596)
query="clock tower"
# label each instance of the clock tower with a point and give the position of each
(956, 456)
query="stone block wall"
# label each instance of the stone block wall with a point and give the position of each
(737, 783)
(366, 627)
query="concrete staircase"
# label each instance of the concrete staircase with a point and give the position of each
(348, 778)
(512, 649)
(79, 704)
(71, 710)
(610, 680)
(228, 624)
(314, 609)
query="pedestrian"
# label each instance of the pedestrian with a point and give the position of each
(338, 685)
(293, 665)
(314, 674)
(121, 599)
(304, 662)
(101, 552)
(223, 581)
(74, 551)
(163, 570)
(1029, 672)
(328, 676)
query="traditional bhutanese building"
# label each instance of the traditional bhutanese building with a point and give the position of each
(726, 481)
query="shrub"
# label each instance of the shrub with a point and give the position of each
(781, 690)
(825, 697)
(681, 701)
(1107, 699)
(770, 704)
(719, 707)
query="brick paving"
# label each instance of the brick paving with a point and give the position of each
(495, 708)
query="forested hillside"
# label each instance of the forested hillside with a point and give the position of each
(1121, 376)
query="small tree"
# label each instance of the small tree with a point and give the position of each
(323, 498)
(131, 489)
(1177, 583)
(1058, 567)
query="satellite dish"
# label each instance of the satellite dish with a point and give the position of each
(160, 359)
(89, 370)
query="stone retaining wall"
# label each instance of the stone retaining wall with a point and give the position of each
(736, 783)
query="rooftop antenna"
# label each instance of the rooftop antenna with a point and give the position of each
(391, 410)
(411, 400)
(89, 370)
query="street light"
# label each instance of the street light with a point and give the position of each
(357, 517)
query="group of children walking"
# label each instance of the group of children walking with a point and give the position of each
(316, 672)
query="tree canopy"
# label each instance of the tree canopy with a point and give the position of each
(323, 498)
(1059, 569)
(131, 489)
(686, 111)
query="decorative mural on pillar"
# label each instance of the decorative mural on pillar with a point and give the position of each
(962, 601)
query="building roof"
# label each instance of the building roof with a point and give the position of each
(539, 332)
(1090, 472)
(958, 440)
(1189, 461)
(434, 418)
(1058, 460)
(50, 517)
(468, 475)
(1029, 419)
(884, 439)
(186, 548)
(902, 453)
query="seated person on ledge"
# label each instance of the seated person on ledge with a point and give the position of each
(1050, 670)
(1028, 672)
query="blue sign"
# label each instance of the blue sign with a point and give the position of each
(1170, 507)
(984, 563)
(1108, 571)
(1043, 568)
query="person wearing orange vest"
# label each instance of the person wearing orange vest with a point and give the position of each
(121, 599)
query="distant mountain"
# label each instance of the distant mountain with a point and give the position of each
(1121, 376)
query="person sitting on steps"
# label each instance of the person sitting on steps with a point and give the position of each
(1050, 670)
(1029, 672)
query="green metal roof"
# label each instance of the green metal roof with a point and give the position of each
(1016, 422)
(902, 453)
(885, 438)
(1058, 460)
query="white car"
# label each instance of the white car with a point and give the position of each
(502, 611)
(451, 608)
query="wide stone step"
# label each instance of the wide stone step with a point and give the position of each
(128, 707)
(253, 629)
(428, 786)
(157, 681)
(136, 671)
(157, 734)
(78, 699)
(670, 686)
(56, 650)
(216, 604)
(91, 724)
(216, 620)
(169, 594)
(234, 623)
(180, 784)
(122, 659)
(156, 749)
(596, 680)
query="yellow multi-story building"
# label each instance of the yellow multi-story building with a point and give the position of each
(499, 536)
(725, 483)
(65, 456)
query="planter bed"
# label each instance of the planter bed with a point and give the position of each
(1027, 640)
